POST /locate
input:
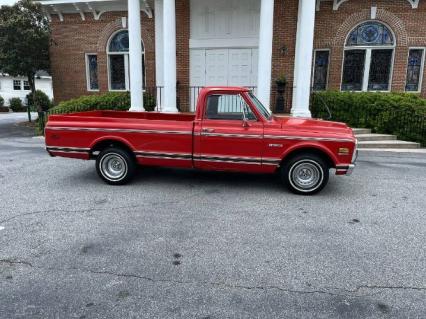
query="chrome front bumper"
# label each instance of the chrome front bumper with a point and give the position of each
(350, 169)
(347, 169)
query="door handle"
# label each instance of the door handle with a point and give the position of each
(207, 130)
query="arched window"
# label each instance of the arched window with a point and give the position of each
(118, 61)
(368, 59)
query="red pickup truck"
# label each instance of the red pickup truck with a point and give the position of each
(230, 131)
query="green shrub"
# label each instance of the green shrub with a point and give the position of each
(1, 101)
(119, 101)
(16, 104)
(41, 99)
(399, 114)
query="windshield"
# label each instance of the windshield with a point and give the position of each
(259, 106)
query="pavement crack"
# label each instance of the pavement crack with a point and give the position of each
(344, 292)
(388, 287)
(86, 210)
(15, 262)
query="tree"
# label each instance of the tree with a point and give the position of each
(24, 42)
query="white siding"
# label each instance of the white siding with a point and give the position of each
(7, 92)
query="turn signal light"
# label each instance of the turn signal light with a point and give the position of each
(344, 151)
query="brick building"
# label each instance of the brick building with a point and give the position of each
(354, 45)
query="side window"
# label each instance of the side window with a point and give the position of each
(27, 86)
(415, 70)
(320, 75)
(92, 72)
(228, 107)
(17, 85)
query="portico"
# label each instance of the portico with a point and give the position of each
(230, 44)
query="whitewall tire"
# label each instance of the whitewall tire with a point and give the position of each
(305, 174)
(115, 166)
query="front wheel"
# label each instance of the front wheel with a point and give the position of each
(305, 174)
(115, 166)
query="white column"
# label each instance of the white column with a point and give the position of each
(303, 58)
(135, 56)
(169, 47)
(159, 52)
(265, 52)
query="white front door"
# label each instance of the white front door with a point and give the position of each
(240, 67)
(222, 67)
(216, 67)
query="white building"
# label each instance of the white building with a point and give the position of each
(15, 86)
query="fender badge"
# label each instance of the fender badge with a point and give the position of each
(275, 145)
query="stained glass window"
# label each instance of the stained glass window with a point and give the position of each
(414, 70)
(353, 70)
(321, 70)
(368, 58)
(118, 61)
(118, 72)
(369, 34)
(380, 70)
(120, 42)
(92, 72)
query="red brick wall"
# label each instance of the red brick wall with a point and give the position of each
(72, 38)
(332, 28)
(284, 45)
(182, 52)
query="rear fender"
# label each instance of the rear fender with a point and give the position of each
(112, 138)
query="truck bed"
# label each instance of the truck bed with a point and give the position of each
(79, 134)
(120, 115)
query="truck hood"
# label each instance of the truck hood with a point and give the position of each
(317, 126)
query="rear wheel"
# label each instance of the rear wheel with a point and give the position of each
(115, 166)
(305, 174)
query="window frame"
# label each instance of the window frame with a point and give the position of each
(422, 70)
(328, 69)
(243, 98)
(20, 84)
(368, 50)
(86, 59)
(28, 85)
(126, 64)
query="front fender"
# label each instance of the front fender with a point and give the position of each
(307, 146)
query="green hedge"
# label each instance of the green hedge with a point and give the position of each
(16, 104)
(41, 99)
(399, 114)
(119, 101)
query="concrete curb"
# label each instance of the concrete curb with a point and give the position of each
(395, 150)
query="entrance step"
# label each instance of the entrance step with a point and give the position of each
(375, 137)
(395, 144)
(361, 131)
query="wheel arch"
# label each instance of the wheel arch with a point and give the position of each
(316, 149)
(110, 141)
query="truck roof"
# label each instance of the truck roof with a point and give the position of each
(226, 88)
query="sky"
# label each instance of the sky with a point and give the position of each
(2, 2)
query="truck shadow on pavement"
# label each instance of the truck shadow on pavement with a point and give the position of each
(192, 178)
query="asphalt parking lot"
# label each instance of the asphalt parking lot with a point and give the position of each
(191, 244)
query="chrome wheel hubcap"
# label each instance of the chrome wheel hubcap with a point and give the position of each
(306, 175)
(113, 167)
